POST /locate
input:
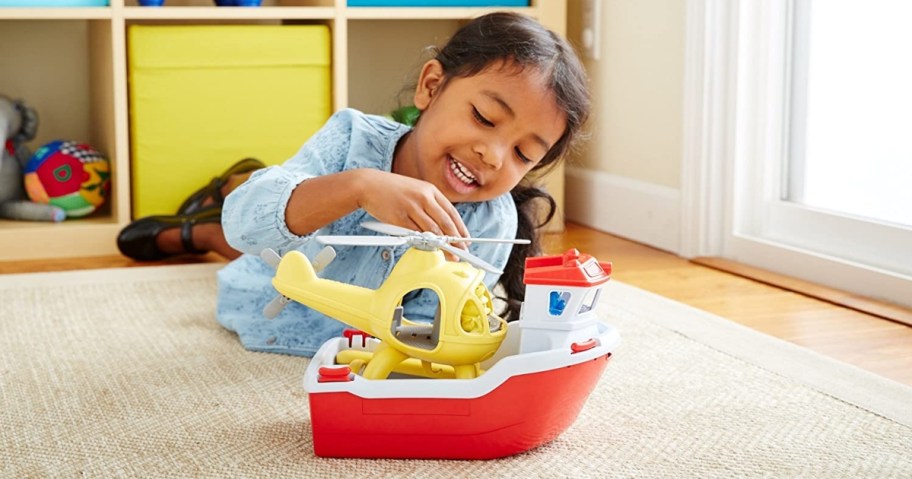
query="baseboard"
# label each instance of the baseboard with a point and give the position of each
(893, 312)
(643, 212)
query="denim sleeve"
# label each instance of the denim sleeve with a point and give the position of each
(253, 215)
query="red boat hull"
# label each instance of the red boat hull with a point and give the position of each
(524, 412)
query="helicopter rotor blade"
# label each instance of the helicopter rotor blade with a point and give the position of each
(363, 240)
(470, 258)
(454, 239)
(275, 307)
(394, 230)
(388, 229)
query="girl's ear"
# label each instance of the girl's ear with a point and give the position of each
(429, 82)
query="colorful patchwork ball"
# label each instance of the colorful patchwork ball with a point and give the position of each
(70, 175)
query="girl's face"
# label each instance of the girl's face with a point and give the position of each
(479, 135)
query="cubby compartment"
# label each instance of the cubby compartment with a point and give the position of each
(64, 70)
(205, 96)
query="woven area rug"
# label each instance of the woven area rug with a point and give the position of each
(125, 373)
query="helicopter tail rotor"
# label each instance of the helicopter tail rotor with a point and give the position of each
(274, 307)
(271, 257)
(323, 258)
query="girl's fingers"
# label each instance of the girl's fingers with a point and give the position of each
(420, 207)
(440, 222)
(429, 224)
(435, 228)
(450, 220)
(424, 222)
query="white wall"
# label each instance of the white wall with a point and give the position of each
(626, 180)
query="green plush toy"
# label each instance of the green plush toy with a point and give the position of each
(18, 124)
(407, 115)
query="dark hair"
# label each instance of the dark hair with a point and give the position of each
(521, 42)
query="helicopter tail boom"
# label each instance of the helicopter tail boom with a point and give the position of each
(353, 305)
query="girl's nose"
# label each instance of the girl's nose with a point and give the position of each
(491, 154)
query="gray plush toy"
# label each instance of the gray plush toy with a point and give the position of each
(18, 124)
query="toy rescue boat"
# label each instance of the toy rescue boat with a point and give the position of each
(529, 392)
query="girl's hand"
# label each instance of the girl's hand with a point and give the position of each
(410, 203)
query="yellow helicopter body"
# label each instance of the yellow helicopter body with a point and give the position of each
(465, 332)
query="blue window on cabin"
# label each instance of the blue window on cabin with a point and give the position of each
(558, 302)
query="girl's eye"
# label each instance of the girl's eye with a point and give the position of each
(522, 157)
(479, 118)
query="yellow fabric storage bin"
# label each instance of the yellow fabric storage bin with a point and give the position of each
(204, 97)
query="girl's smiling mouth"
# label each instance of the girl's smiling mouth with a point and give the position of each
(460, 178)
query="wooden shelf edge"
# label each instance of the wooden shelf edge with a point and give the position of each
(81, 13)
(428, 13)
(47, 241)
(228, 13)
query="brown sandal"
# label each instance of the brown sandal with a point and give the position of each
(138, 239)
(213, 190)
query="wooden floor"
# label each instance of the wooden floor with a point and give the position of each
(866, 341)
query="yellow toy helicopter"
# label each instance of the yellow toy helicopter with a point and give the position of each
(465, 330)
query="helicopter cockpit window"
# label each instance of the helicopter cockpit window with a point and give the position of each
(557, 301)
(590, 300)
(477, 311)
(417, 333)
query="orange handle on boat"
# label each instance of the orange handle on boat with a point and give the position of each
(583, 346)
(332, 374)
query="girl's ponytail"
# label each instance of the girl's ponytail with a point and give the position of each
(530, 219)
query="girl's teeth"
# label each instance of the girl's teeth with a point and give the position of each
(464, 175)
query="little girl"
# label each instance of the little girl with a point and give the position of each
(504, 97)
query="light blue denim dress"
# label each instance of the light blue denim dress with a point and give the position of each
(253, 218)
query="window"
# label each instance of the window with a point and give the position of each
(590, 300)
(798, 119)
(851, 109)
(417, 332)
(557, 301)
